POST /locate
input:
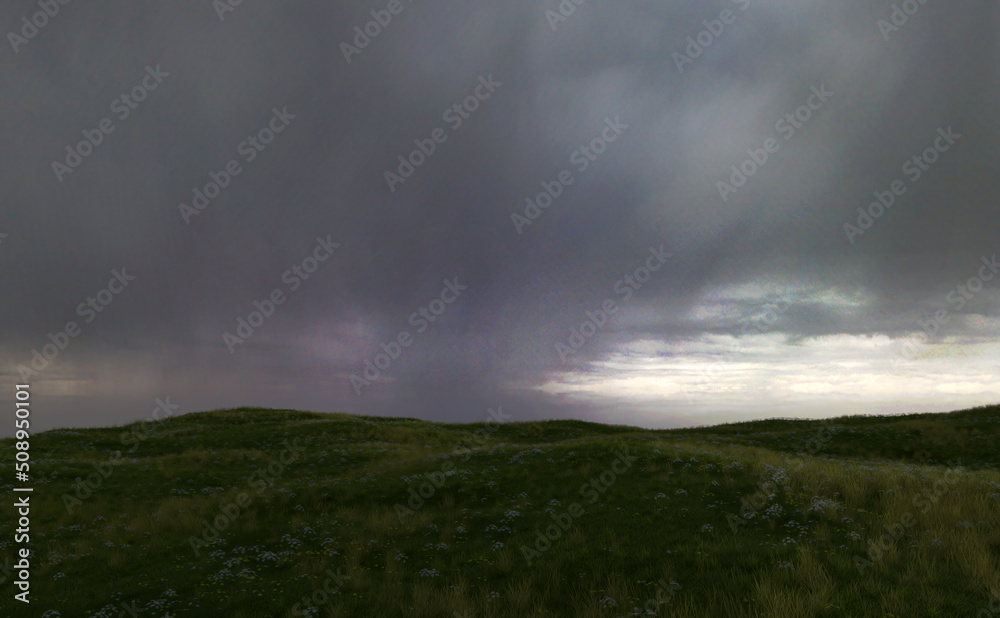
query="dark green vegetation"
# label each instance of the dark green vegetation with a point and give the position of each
(774, 518)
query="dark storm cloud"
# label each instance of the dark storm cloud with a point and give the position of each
(323, 177)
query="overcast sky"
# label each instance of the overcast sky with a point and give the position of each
(747, 298)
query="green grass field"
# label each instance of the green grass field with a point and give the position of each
(272, 513)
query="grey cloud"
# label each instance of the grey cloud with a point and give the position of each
(324, 175)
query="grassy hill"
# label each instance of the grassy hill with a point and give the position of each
(274, 513)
